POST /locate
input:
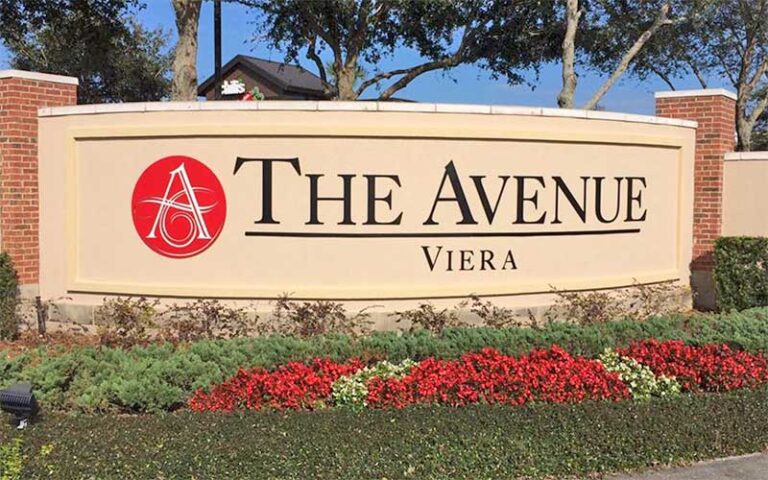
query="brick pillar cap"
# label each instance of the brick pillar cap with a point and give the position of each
(709, 92)
(42, 77)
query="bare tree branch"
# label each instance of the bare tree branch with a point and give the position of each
(660, 21)
(664, 77)
(758, 110)
(409, 74)
(727, 70)
(697, 72)
(380, 77)
(315, 58)
(737, 45)
(414, 72)
(746, 66)
(752, 83)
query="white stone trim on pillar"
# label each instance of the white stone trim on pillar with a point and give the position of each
(709, 92)
(42, 77)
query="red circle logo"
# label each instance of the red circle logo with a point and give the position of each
(178, 207)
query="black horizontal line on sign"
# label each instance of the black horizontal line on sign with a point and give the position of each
(444, 234)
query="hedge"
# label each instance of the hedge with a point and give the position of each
(9, 298)
(426, 443)
(741, 278)
(162, 377)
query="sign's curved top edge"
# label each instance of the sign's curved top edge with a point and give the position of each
(362, 106)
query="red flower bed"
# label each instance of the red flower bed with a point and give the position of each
(710, 368)
(292, 386)
(490, 377)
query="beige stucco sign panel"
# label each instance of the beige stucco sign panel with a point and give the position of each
(441, 203)
(745, 198)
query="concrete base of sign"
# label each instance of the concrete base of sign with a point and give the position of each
(524, 311)
(29, 291)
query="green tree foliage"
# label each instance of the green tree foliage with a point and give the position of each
(724, 38)
(505, 38)
(737, 37)
(98, 41)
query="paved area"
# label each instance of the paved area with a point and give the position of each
(749, 467)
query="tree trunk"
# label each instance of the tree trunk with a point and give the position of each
(345, 83)
(565, 98)
(184, 87)
(744, 131)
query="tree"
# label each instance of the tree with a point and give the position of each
(502, 36)
(607, 35)
(185, 57)
(737, 43)
(759, 137)
(97, 41)
(678, 49)
(727, 38)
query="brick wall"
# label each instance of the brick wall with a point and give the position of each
(21, 94)
(715, 112)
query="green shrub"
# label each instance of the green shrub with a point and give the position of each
(205, 319)
(494, 316)
(483, 442)
(429, 318)
(124, 322)
(307, 319)
(9, 299)
(162, 377)
(741, 274)
(638, 302)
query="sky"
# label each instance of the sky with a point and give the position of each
(465, 84)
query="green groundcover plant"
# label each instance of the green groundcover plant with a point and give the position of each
(162, 377)
(427, 442)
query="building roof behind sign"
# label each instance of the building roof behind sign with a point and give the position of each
(292, 81)
(288, 77)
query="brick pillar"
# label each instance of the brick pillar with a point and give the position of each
(21, 94)
(715, 112)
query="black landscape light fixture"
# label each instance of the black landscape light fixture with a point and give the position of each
(19, 401)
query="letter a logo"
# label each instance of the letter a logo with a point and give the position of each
(179, 207)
